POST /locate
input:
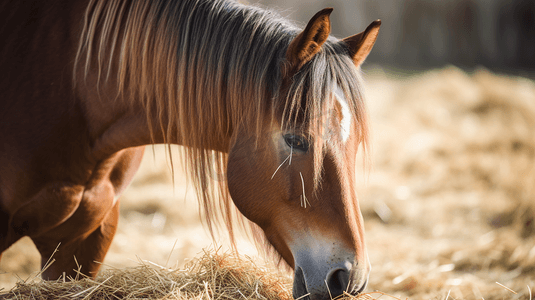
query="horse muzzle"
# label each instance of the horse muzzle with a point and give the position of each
(327, 277)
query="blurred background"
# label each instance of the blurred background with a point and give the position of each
(449, 200)
(422, 34)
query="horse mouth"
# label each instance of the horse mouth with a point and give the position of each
(361, 288)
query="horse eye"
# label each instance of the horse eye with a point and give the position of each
(296, 142)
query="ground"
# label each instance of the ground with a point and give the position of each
(448, 194)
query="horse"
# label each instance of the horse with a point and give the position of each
(277, 109)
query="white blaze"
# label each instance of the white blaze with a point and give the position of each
(345, 124)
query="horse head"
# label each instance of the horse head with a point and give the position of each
(295, 176)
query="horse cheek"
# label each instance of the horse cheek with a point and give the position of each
(251, 189)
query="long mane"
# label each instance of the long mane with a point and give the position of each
(205, 68)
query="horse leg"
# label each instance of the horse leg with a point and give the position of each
(7, 237)
(86, 235)
(81, 254)
(4, 225)
(82, 218)
(70, 215)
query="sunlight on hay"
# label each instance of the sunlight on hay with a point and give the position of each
(212, 276)
(479, 134)
(452, 194)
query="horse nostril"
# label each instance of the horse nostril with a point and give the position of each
(300, 286)
(337, 282)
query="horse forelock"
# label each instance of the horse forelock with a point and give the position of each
(309, 103)
(204, 68)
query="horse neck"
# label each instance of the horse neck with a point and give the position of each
(118, 122)
(182, 90)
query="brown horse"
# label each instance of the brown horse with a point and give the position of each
(85, 84)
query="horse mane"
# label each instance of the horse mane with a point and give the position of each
(205, 68)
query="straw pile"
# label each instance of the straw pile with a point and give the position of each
(452, 196)
(479, 135)
(212, 276)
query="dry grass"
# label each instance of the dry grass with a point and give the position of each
(212, 276)
(452, 197)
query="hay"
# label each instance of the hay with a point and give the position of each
(212, 276)
(452, 199)
(482, 132)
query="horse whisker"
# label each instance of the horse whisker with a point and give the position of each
(328, 289)
(291, 152)
(304, 196)
(280, 166)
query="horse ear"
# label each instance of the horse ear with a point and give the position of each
(361, 44)
(305, 45)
